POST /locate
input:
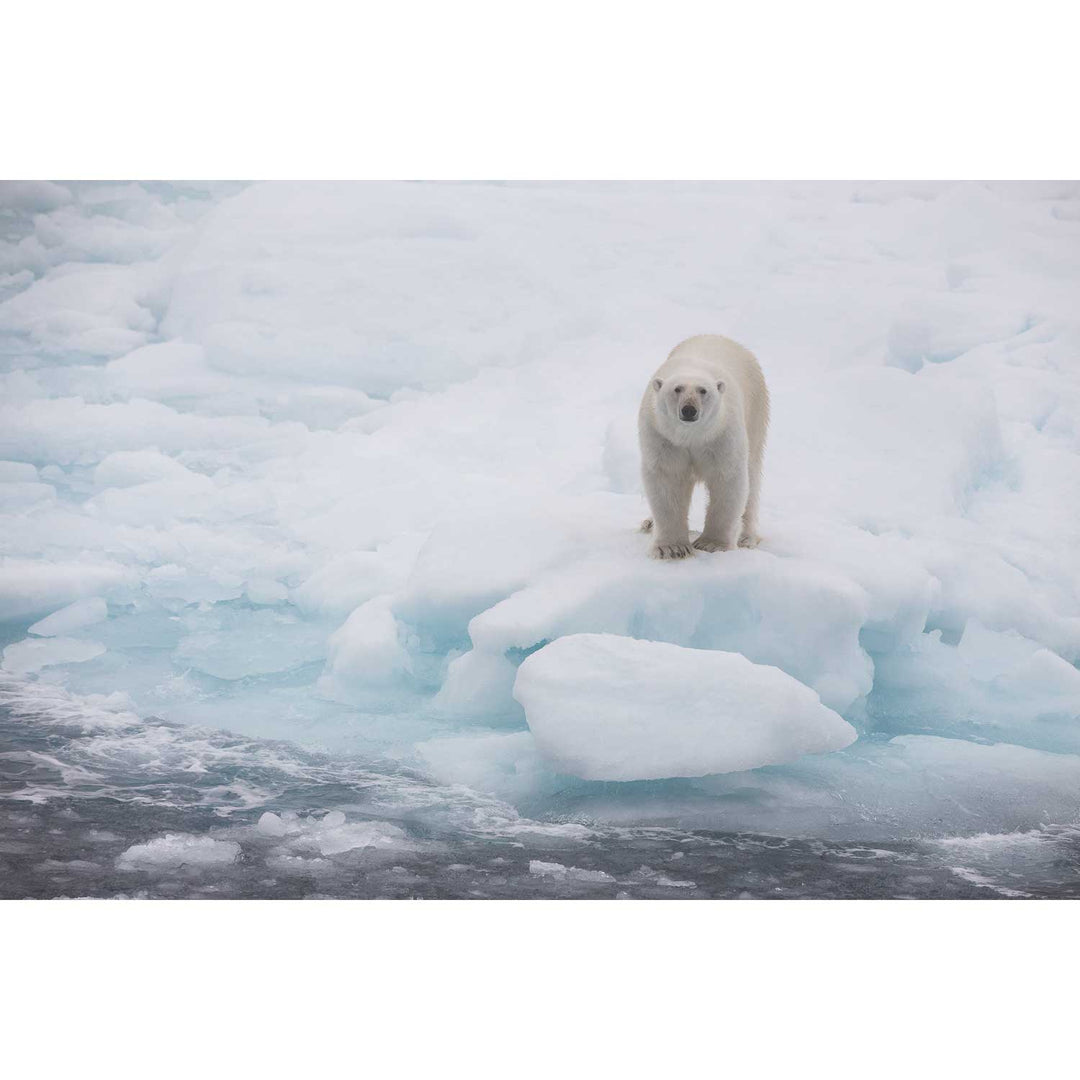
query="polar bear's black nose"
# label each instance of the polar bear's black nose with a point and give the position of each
(688, 412)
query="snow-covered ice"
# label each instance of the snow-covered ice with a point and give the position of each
(606, 707)
(328, 462)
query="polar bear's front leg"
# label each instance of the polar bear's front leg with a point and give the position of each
(748, 534)
(723, 519)
(668, 486)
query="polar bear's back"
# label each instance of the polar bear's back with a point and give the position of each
(727, 359)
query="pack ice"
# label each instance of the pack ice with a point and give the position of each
(347, 463)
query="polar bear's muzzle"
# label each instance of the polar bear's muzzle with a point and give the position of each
(688, 413)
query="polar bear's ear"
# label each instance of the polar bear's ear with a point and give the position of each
(720, 387)
(657, 383)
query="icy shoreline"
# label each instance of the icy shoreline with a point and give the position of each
(98, 804)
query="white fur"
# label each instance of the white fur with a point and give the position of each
(722, 449)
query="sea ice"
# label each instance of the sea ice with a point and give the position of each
(330, 834)
(802, 617)
(175, 851)
(611, 708)
(33, 654)
(364, 652)
(75, 616)
(991, 684)
(388, 431)
(235, 643)
(568, 873)
(17, 472)
(34, 587)
(910, 785)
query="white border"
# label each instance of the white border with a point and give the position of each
(834, 89)
(508, 989)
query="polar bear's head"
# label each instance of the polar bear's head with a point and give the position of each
(688, 401)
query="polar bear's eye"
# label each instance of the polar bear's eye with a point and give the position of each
(679, 389)
(702, 391)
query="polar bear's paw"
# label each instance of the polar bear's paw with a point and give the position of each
(671, 551)
(708, 543)
(749, 540)
(646, 525)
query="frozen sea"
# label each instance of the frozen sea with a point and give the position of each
(295, 477)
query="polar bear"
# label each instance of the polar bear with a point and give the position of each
(704, 417)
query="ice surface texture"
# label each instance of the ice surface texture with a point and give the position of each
(604, 707)
(329, 462)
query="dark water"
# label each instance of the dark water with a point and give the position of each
(80, 793)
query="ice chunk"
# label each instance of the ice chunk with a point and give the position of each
(646, 875)
(172, 582)
(69, 430)
(265, 591)
(145, 487)
(166, 371)
(15, 497)
(271, 825)
(992, 684)
(345, 581)
(802, 617)
(124, 468)
(334, 836)
(568, 873)
(175, 851)
(477, 684)
(331, 834)
(34, 196)
(900, 591)
(36, 586)
(469, 564)
(17, 472)
(993, 587)
(100, 309)
(364, 652)
(81, 613)
(33, 654)
(604, 707)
